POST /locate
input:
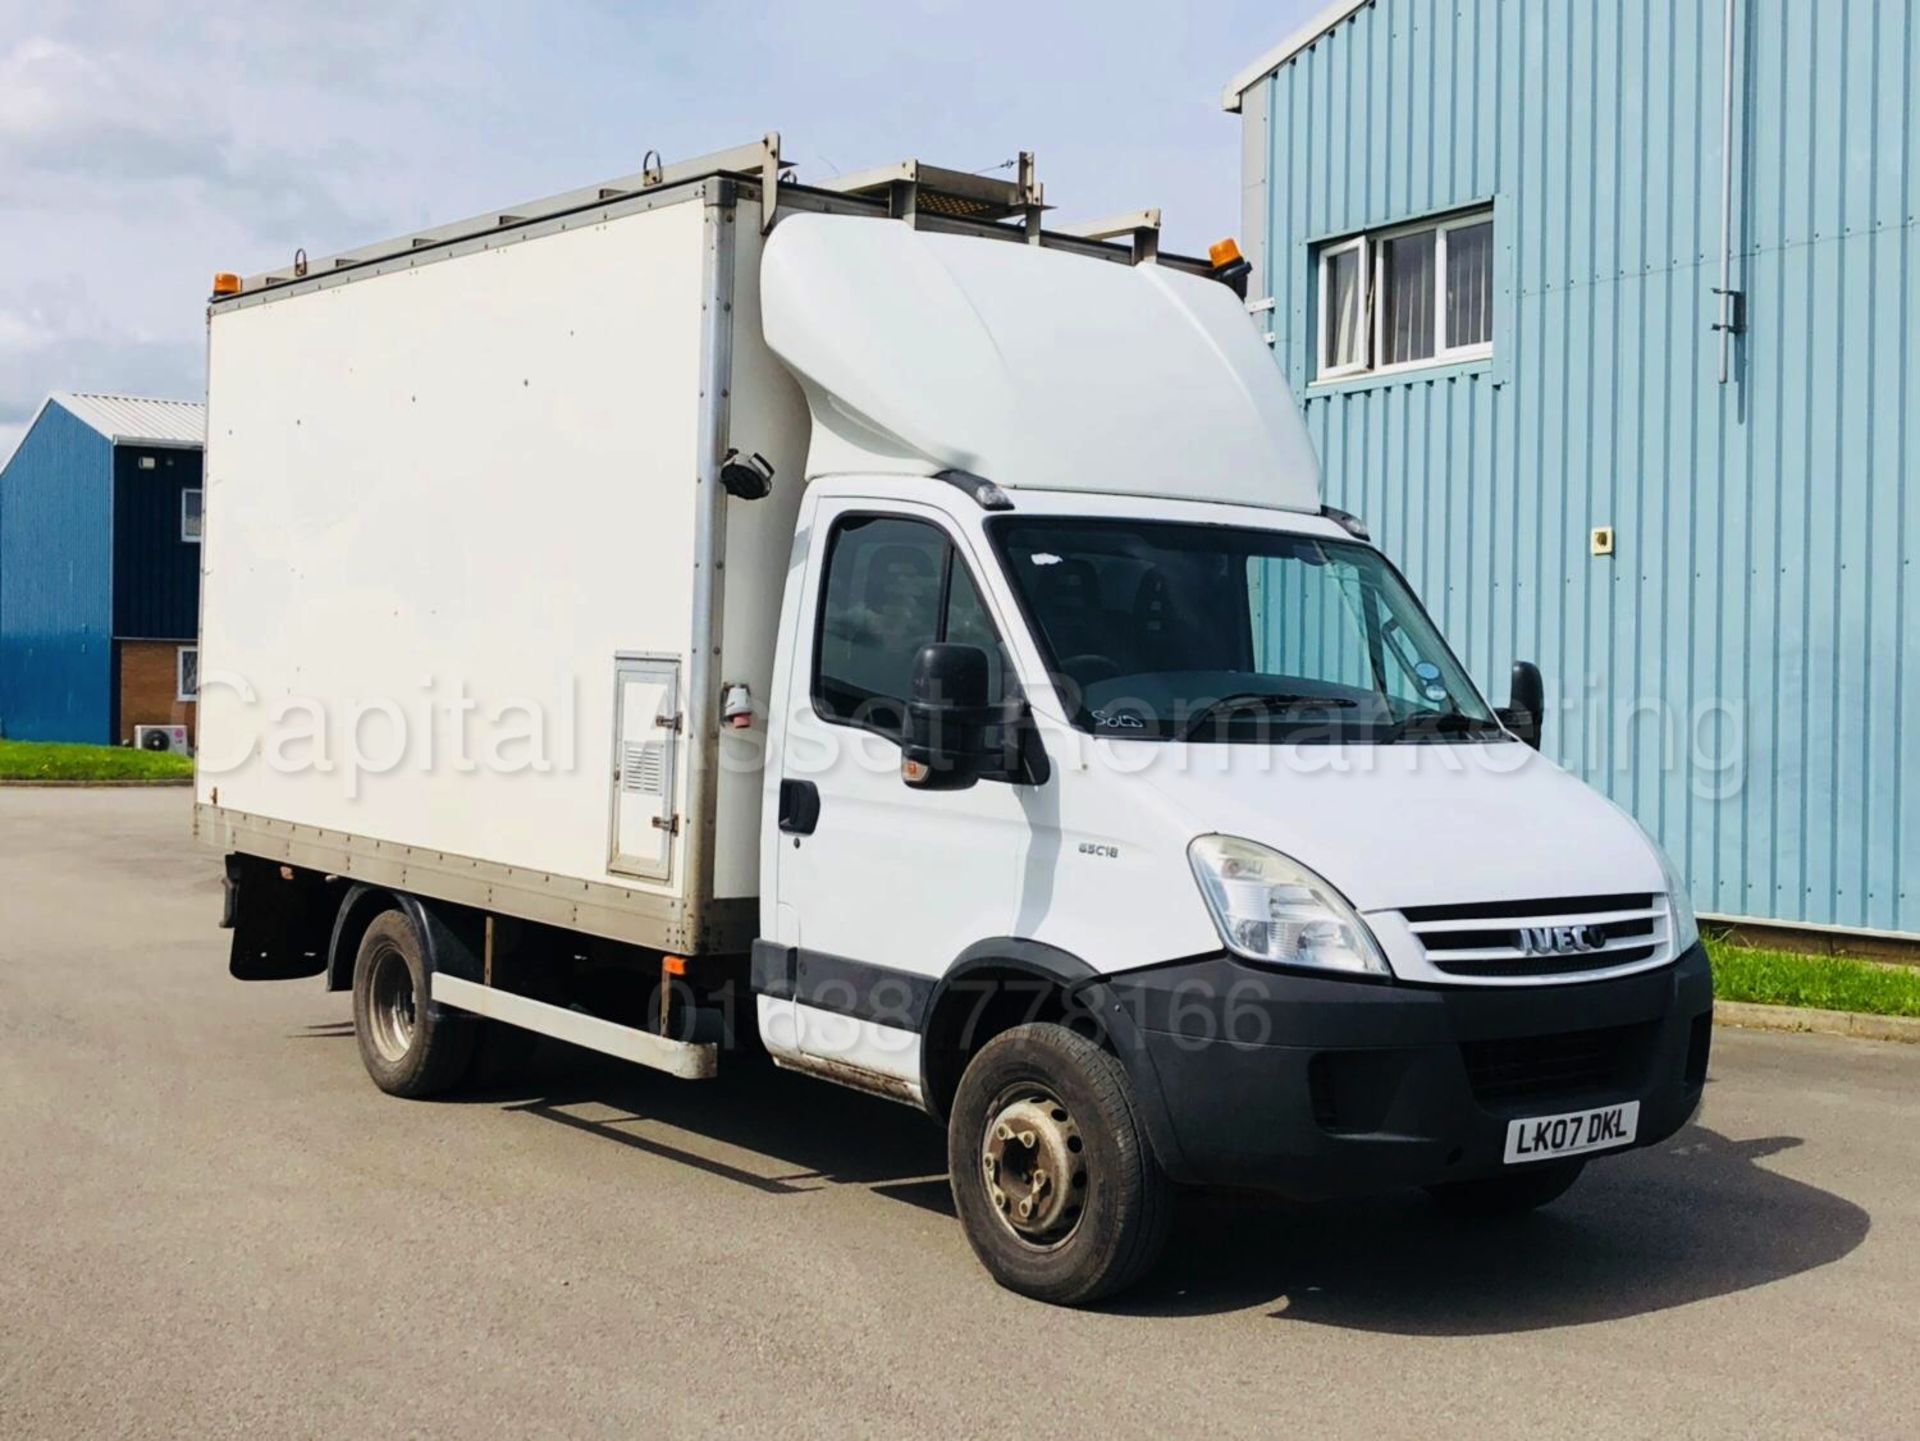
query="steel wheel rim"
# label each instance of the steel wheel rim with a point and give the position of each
(1034, 1163)
(390, 1005)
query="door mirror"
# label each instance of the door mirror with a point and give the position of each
(945, 744)
(1526, 703)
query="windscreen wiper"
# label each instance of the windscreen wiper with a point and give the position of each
(1440, 723)
(1264, 701)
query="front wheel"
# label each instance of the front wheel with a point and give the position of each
(1054, 1180)
(1508, 1195)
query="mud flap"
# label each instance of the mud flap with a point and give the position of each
(281, 918)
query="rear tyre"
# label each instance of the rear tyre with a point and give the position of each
(1055, 1182)
(409, 1047)
(1513, 1195)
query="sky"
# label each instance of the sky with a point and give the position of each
(144, 145)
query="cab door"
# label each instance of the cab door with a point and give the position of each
(880, 886)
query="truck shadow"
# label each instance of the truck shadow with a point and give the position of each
(767, 1130)
(1696, 1217)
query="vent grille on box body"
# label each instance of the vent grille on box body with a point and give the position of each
(643, 768)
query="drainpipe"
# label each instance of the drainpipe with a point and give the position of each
(1729, 323)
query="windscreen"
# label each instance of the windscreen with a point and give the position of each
(1173, 631)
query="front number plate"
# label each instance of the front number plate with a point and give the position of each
(1543, 1138)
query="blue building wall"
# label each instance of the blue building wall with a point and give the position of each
(1744, 673)
(56, 613)
(156, 574)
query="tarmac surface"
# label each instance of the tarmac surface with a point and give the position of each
(214, 1225)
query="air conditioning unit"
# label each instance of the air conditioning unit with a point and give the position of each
(162, 740)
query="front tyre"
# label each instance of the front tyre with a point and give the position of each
(1507, 1195)
(408, 1046)
(1053, 1177)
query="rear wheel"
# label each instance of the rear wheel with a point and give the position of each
(1055, 1182)
(408, 1047)
(1508, 1195)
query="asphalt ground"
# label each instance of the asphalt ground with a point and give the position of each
(212, 1224)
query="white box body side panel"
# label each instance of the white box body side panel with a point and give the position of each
(440, 502)
(768, 416)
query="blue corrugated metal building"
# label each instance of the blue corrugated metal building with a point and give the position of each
(1487, 240)
(100, 515)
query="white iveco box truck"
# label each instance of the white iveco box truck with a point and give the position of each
(707, 613)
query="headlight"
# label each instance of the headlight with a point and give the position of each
(1269, 908)
(1686, 930)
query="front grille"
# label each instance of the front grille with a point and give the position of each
(1544, 965)
(1537, 1068)
(1562, 936)
(1502, 910)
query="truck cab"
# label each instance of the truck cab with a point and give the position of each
(1158, 744)
(1239, 814)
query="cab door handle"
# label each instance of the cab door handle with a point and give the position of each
(799, 807)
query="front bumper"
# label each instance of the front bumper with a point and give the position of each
(1316, 1087)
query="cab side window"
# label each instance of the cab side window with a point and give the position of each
(892, 586)
(968, 624)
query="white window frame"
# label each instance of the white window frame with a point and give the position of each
(1378, 283)
(193, 539)
(1373, 252)
(180, 654)
(1454, 353)
(1327, 369)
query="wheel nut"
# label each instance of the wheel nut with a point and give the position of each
(1026, 1139)
(1026, 1208)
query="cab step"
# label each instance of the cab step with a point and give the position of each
(690, 1061)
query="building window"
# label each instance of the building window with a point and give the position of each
(1407, 296)
(186, 673)
(190, 516)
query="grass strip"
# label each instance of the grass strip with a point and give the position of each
(1828, 983)
(56, 761)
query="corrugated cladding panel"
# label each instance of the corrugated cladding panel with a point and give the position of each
(1741, 673)
(156, 574)
(56, 644)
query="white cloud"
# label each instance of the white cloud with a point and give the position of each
(145, 144)
(23, 330)
(67, 112)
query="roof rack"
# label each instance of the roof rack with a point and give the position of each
(761, 161)
(1140, 227)
(910, 190)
